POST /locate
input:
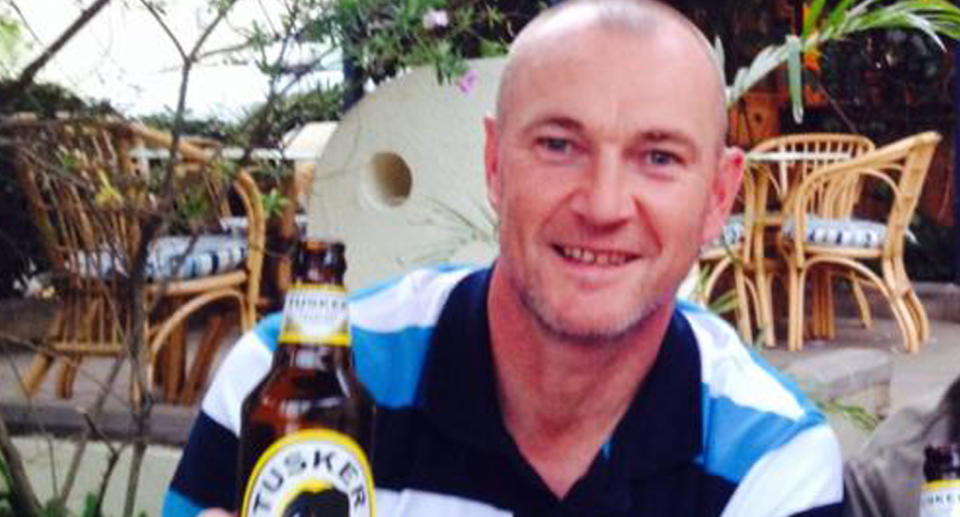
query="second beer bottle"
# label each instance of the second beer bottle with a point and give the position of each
(307, 427)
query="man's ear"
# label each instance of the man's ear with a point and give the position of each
(723, 192)
(491, 162)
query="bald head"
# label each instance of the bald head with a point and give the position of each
(633, 18)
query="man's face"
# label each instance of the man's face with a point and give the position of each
(607, 172)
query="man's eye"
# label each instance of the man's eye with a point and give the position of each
(662, 158)
(555, 144)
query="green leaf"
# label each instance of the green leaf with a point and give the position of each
(860, 8)
(859, 416)
(273, 202)
(91, 504)
(490, 48)
(812, 16)
(795, 76)
(839, 13)
(934, 18)
(724, 303)
(720, 56)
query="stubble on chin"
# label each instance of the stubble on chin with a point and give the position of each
(551, 322)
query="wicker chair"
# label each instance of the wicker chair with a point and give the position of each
(779, 165)
(732, 251)
(819, 230)
(90, 190)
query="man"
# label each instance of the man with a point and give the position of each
(566, 380)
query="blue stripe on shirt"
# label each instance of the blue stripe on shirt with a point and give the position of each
(738, 436)
(268, 330)
(176, 504)
(389, 363)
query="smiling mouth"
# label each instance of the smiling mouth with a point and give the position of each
(593, 256)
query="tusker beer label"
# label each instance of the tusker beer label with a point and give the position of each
(940, 499)
(315, 314)
(311, 473)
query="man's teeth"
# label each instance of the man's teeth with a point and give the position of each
(586, 256)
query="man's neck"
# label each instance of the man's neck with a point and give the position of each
(561, 401)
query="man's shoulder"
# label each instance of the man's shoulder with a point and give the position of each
(392, 326)
(415, 299)
(750, 409)
(731, 370)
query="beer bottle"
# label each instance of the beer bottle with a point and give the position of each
(940, 495)
(307, 426)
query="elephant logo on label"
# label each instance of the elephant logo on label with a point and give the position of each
(317, 499)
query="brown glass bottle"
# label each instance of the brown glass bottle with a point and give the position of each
(306, 428)
(940, 495)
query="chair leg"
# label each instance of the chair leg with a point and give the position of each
(743, 305)
(828, 309)
(763, 283)
(896, 275)
(203, 360)
(38, 370)
(174, 363)
(866, 319)
(68, 374)
(757, 313)
(896, 288)
(795, 301)
(716, 271)
(816, 304)
(919, 315)
(822, 324)
(905, 321)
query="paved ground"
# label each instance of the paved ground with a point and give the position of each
(914, 375)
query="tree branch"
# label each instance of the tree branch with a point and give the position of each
(23, 19)
(112, 459)
(92, 413)
(24, 499)
(32, 412)
(221, 14)
(166, 28)
(15, 89)
(152, 226)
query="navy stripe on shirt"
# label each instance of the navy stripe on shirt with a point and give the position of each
(211, 451)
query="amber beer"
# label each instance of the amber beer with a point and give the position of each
(306, 427)
(940, 495)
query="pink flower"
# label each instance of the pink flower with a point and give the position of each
(467, 81)
(434, 18)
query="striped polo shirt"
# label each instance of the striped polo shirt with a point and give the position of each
(713, 430)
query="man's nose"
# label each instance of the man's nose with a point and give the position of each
(604, 198)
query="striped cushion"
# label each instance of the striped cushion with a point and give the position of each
(210, 255)
(848, 232)
(237, 225)
(732, 234)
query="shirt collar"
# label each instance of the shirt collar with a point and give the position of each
(661, 428)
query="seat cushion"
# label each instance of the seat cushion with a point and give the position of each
(210, 255)
(848, 233)
(237, 225)
(732, 234)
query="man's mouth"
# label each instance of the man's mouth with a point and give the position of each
(594, 256)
